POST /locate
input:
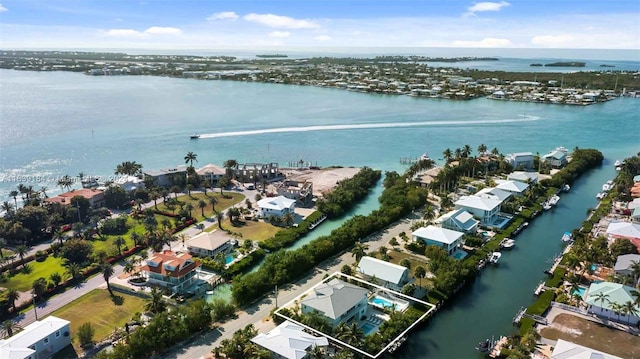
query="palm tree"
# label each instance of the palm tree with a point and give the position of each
(350, 334)
(288, 219)
(466, 151)
(213, 201)
(155, 303)
(601, 297)
(635, 272)
(39, 286)
(447, 155)
(154, 196)
(107, 272)
(135, 237)
(220, 217)
(7, 207)
(629, 308)
(316, 352)
(14, 194)
(65, 182)
(11, 296)
(21, 250)
(189, 207)
(230, 165)
(190, 157)
(617, 308)
(482, 149)
(55, 278)
(175, 190)
(3, 243)
(129, 267)
(359, 251)
(8, 327)
(428, 213)
(73, 269)
(202, 205)
(420, 273)
(119, 242)
(130, 168)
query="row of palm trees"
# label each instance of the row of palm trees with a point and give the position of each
(629, 308)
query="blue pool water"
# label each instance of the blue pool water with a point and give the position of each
(579, 291)
(228, 258)
(368, 328)
(594, 267)
(459, 254)
(384, 303)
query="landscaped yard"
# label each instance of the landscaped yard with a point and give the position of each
(593, 335)
(229, 199)
(257, 231)
(98, 308)
(24, 280)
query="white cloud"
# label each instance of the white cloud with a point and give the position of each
(562, 40)
(225, 15)
(486, 6)
(3, 9)
(156, 30)
(486, 42)
(323, 38)
(279, 34)
(278, 21)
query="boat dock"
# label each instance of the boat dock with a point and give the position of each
(541, 288)
(495, 351)
(522, 313)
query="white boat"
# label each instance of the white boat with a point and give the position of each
(600, 195)
(495, 257)
(195, 136)
(606, 187)
(567, 237)
(554, 200)
(619, 168)
(546, 206)
(618, 163)
(566, 188)
(507, 243)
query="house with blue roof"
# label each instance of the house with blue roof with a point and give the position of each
(555, 158)
(458, 220)
(614, 294)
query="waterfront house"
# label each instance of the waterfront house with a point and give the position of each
(425, 178)
(129, 183)
(630, 231)
(174, 271)
(94, 196)
(300, 191)
(289, 341)
(625, 262)
(336, 301)
(520, 160)
(210, 174)
(168, 177)
(40, 339)
(209, 244)
(555, 158)
(387, 274)
(485, 209)
(521, 176)
(458, 220)
(616, 293)
(516, 188)
(567, 350)
(276, 206)
(436, 236)
(493, 193)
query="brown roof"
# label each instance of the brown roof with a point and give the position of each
(181, 261)
(65, 198)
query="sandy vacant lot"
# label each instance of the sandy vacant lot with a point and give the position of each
(324, 180)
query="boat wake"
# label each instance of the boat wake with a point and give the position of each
(361, 126)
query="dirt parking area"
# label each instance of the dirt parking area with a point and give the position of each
(324, 180)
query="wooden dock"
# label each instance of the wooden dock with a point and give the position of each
(495, 352)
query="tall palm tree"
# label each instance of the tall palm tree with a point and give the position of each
(213, 201)
(7, 207)
(629, 308)
(220, 217)
(119, 242)
(189, 207)
(466, 151)
(230, 165)
(350, 334)
(9, 327)
(447, 155)
(202, 205)
(617, 308)
(65, 182)
(288, 219)
(154, 196)
(14, 194)
(130, 168)
(420, 273)
(38, 287)
(21, 250)
(601, 297)
(73, 269)
(44, 190)
(482, 149)
(428, 213)
(11, 296)
(190, 157)
(359, 250)
(155, 303)
(107, 272)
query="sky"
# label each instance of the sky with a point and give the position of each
(223, 24)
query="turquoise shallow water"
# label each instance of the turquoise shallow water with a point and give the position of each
(52, 124)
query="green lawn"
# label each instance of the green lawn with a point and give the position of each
(257, 231)
(23, 280)
(98, 308)
(225, 202)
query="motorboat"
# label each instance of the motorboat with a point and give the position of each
(485, 346)
(195, 136)
(618, 163)
(601, 195)
(546, 206)
(606, 187)
(494, 257)
(554, 200)
(507, 243)
(566, 188)
(567, 237)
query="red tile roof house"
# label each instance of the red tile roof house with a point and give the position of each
(95, 197)
(174, 271)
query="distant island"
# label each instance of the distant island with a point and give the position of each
(271, 56)
(539, 65)
(605, 65)
(414, 58)
(567, 64)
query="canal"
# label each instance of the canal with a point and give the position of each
(486, 307)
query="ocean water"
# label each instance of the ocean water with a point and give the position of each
(56, 123)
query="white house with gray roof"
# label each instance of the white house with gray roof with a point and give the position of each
(387, 274)
(276, 206)
(209, 243)
(567, 350)
(431, 235)
(615, 293)
(516, 188)
(168, 177)
(38, 340)
(555, 158)
(493, 193)
(522, 176)
(519, 160)
(625, 262)
(458, 220)
(289, 341)
(337, 301)
(485, 209)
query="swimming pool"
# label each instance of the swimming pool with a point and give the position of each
(368, 328)
(579, 291)
(229, 258)
(459, 254)
(382, 302)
